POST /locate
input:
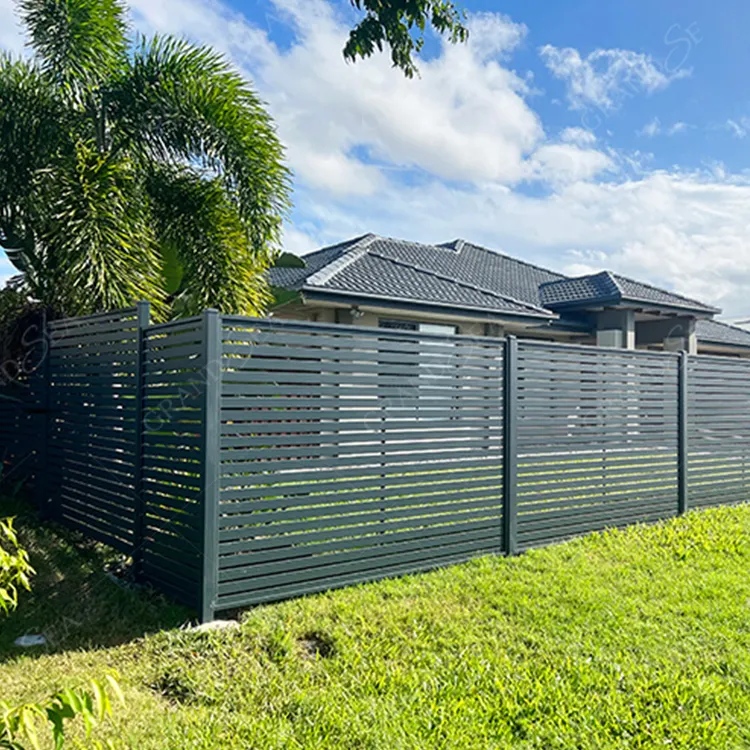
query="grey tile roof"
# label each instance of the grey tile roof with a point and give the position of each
(457, 274)
(294, 278)
(381, 277)
(460, 274)
(600, 286)
(715, 332)
(606, 287)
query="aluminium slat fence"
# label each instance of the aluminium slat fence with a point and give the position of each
(241, 461)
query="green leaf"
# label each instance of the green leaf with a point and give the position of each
(58, 730)
(101, 703)
(115, 687)
(289, 260)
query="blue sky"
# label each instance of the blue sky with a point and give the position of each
(578, 135)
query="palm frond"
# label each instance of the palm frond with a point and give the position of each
(102, 253)
(35, 130)
(200, 230)
(78, 42)
(187, 105)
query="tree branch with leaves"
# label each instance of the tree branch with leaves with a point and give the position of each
(400, 26)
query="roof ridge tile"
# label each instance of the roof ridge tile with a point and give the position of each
(329, 270)
(659, 289)
(460, 282)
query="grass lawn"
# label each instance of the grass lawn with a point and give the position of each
(631, 639)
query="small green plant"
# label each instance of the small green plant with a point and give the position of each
(19, 725)
(15, 569)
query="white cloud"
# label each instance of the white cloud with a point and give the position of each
(6, 269)
(465, 118)
(560, 163)
(654, 127)
(300, 242)
(651, 128)
(606, 77)
(579, 136)
(739, 128)
(685, 232)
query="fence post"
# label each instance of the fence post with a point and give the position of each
(682, 434)
(210, 475)
(143, 320)
(510, 446)
(41, 476)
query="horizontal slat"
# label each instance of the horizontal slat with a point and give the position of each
(484, 535)
(419, 471)
(304, 341)
(399, 356)
(278, 522)
(310, 542)
(434, 460)
(347, 428)
(349, 567)
(243, 396)
(277, 592)
(247, 382)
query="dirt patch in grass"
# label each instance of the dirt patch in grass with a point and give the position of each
(317, 644)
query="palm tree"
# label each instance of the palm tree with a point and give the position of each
(134, 169)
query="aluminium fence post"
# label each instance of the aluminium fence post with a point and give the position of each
(143, 320)
(682, 434)
(41, 469)
(510, 446)
(210, 464)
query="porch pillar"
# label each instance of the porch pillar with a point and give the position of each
(616, 328)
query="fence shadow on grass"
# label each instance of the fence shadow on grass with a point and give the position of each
(75, 601)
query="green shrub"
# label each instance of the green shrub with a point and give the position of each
(15, 569)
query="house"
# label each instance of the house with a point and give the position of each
(460, 287)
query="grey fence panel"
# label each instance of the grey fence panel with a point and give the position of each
(349, 454)
(174, 385)
(241, 460)
(22, 394)
(20, 427)
(718, 430)
(597, 439)
(89, 482)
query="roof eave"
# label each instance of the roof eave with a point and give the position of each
(727, 344)
(360, 298)
(630, 302)
(583, 304)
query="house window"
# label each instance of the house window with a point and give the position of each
(413, 325)
(437, 328)
(398, 325)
